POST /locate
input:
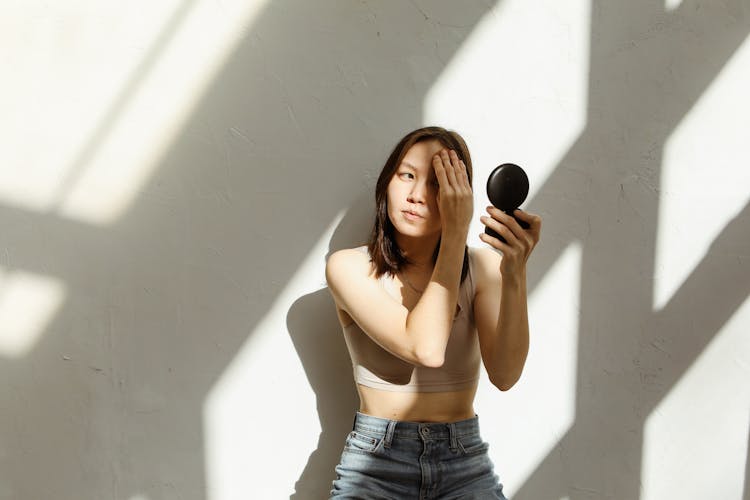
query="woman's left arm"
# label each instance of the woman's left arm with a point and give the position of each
(500, 305)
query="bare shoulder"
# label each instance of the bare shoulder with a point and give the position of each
(348, 260)
(486, 267)
(485, 256)
(341, 266)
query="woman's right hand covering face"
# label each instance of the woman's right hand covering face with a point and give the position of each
(455, 197)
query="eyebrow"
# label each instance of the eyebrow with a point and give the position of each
(406, 163)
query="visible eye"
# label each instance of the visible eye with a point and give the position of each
(406, 173)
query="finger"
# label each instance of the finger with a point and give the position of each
(533, 220)
(437, 164)
(494, 242)
(449, 169)
(458, 166)
(535, 226)
(508, 221)
(463, 175)
(455, 161)
(500, 229)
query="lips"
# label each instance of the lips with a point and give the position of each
(413, 214)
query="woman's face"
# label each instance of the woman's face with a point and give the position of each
(414, 187)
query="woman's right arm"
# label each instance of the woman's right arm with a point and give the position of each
(419, 336)
(431, 320)
(381, 317)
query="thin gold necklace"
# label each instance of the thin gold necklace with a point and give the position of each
(410, 284)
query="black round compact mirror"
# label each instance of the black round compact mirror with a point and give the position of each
(507, 188)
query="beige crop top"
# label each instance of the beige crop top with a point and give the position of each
(375, 367)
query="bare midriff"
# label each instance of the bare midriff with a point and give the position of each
(417, 406)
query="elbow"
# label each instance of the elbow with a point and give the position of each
(427, 354)
(504, 387)
(433, 362)
(503, 383)
(430, 358)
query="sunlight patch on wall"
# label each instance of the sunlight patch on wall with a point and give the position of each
(695, 440)
(28, 302)
(670, 5)
(539, 422)
(517, 88)
(70, 61)
(123, 85)
(260, 392)
(705, 176)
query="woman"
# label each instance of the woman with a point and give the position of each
(420, 311)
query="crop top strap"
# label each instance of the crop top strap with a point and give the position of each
(470, 276)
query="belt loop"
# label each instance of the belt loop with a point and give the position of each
(452, 431)
(389, 433)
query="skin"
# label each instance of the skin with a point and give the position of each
(435, 185)
(415, 186)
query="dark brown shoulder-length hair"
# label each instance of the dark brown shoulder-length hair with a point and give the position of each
(385, 255)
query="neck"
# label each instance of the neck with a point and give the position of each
(418, 250)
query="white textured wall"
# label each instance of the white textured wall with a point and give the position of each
(174, 174)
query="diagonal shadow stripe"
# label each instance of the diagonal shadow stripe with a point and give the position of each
(162, 301)
(155, 289)
(713, 292)
(610, 180)
(716, 288)
(110, 117)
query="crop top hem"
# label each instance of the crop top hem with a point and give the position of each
(441, 387)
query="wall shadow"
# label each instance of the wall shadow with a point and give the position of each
(648, 68)
(329, 371)
(307, 106)
(160, 302)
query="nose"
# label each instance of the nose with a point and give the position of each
(418, 193)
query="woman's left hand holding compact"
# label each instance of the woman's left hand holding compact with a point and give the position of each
(519, 241)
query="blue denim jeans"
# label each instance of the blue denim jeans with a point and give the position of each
(389, 459)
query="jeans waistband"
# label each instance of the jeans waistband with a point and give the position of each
(433, 430)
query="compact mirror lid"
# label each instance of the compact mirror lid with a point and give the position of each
(507, 186)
